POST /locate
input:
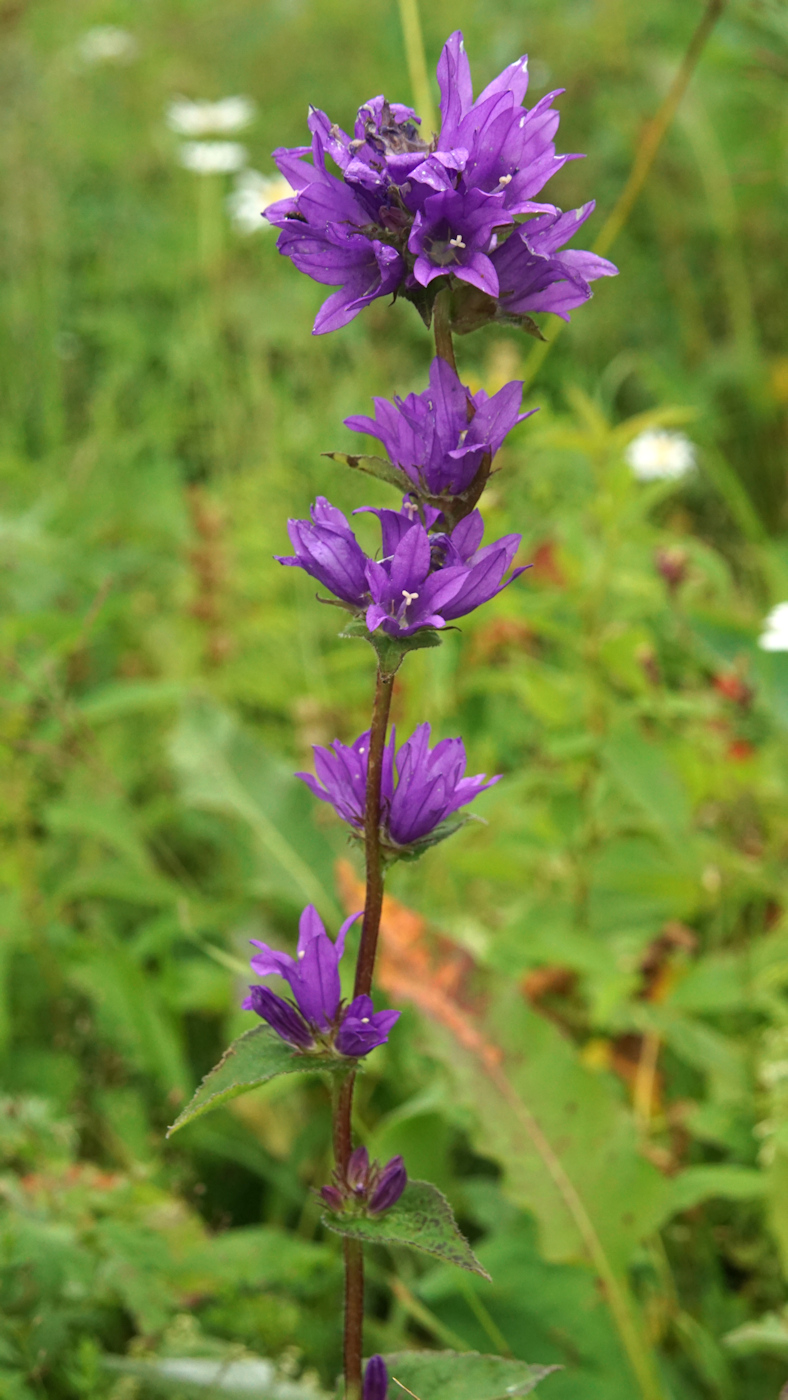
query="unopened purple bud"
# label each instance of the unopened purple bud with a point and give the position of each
(393, 1180)
(376, 1379)
(358, 1169)
(332, 1197)
(279, 1014)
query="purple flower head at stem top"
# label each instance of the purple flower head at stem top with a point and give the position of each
(376, 1379)
(441, 437)
(319, 1020)
(422, 789)
(423, 579)
(402, 210)
(366, 1188)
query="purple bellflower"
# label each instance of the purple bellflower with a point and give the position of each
(367, 1188)
(406, 210)
(376, 1379)
(422, 788)
(441, 437)
(533, 273)
(327, 549)
(422, 580)
(320, 1020)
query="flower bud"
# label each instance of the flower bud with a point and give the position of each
(392, 1183)
(358, 1169)
(672, 565)
(376, 1379)
(332, 1197)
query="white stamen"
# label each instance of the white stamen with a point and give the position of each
(505, 180)
(365, 1020)
(301, 954)
(409, 597)
(411, 508)
(456, 242)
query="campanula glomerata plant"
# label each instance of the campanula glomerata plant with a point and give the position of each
(454, 223)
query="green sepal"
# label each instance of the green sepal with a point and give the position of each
(373, 466)
(522, 323)
(423, 298)
(255, 1057)
(462, 1375)
(422, 1218)
(438, 834)
(390, 650)
(471, 309)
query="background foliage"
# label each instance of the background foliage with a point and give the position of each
(592, 1064)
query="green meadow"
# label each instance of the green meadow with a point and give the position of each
(592, 1061)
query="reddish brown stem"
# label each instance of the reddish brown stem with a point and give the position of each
(441, 325)
(354, 1258)
(374, 894)
(343, 1095)
(354, 1317)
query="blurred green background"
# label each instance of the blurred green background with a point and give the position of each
(617, 928)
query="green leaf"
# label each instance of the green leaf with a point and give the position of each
(643, 771)
(567, 1145)
(223, 768)
(462, 1375)
(131, 1015)
(256, 1257)
(724, 1180)
(374, 466)
(255, 1057)
(422, 1218)
(638, 884)
(767, 1334)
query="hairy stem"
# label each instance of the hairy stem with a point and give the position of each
(343, 1111)
(343, 1093)
(374, 896)
(342, 1103)
(354, 1317)
(441, 325)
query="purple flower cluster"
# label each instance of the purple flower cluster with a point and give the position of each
(423, 579)
(405, 211)
(319, 1019)
(366, 1188)
(441, 438)
(422, 789)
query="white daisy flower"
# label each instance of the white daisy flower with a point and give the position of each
(252, 194)
(221, 118)
(106, 43)
(212, 157)
(775, 629)
(656, 455)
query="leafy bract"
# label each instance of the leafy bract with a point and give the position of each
(455, 1375)
(422, 1218)
(255, 1057)
(378, 467)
